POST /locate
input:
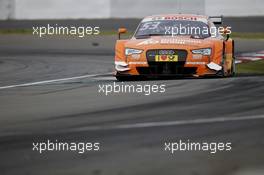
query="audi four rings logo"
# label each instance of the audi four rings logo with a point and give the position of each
(166, 52)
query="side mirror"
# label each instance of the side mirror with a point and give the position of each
(217, 20)
(120, 31)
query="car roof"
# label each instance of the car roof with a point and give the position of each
(179, 15)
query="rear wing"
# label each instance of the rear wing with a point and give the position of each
(217, 19)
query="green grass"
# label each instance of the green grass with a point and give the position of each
(247, 35)
(253, 67)
(15, 31)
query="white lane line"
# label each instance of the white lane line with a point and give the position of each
(168, 123)
(105, 78)
(51, 81)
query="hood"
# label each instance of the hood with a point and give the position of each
(169, 41)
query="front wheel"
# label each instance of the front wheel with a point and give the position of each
(122, 78)
(221, 73)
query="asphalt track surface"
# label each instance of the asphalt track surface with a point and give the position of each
(131, 128)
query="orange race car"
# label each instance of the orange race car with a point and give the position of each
(176, 45)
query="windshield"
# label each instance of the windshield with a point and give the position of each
(173, 27)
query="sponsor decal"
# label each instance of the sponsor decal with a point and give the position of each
(172, 41)
(186, 18)
(148, 41)
(195, 63)
(197, 56)
(161, 58)
(169, 41)
(138, 62)
(135, 56)
(178, 41)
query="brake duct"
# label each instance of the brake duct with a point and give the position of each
(121, 66)
(214, 66)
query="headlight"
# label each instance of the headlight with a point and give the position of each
(206, 51)
(129, 51)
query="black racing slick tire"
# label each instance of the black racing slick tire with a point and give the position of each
(122, 78)
(233, 68)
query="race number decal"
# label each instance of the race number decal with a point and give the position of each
(149, 26)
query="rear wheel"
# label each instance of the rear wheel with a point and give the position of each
(222, 73)
(233, 68)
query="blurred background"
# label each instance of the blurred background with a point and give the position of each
(239, 13)
(74, 9)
